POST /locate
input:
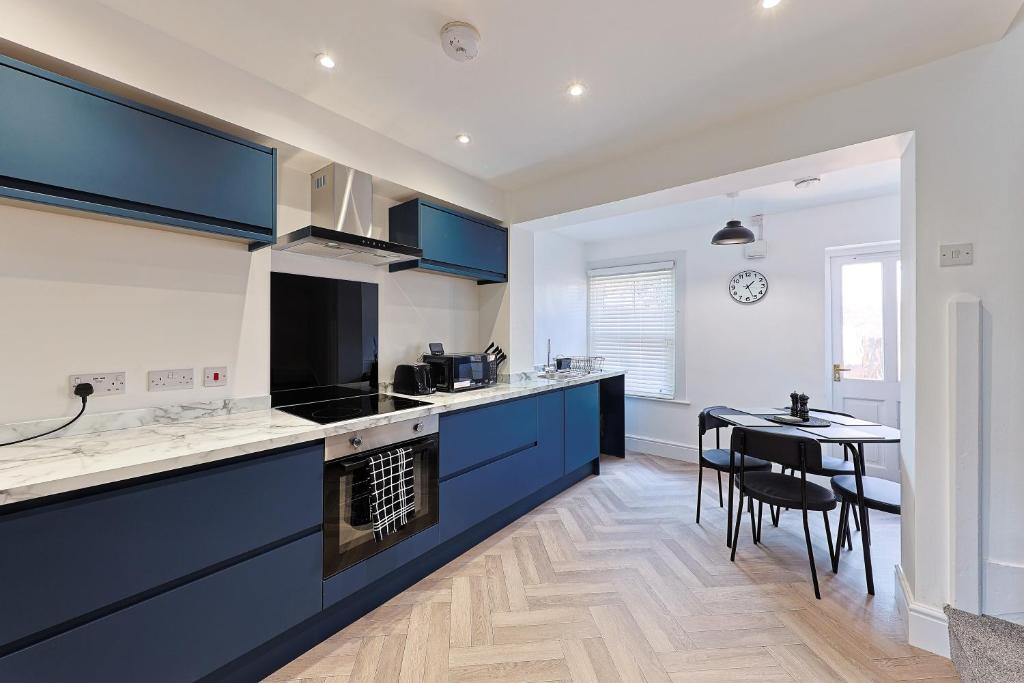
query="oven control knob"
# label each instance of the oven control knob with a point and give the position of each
(356, 442)
(418, 427)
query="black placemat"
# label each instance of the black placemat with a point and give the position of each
(809, 422)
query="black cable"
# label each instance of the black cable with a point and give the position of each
(84, 390)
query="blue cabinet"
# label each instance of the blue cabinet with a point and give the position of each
(66, 144)
(582, 425)
(453, 243)
(187, 632)
(66, 560)
(360, 575)
(476, 436)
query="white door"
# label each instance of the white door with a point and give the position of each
(865, 370)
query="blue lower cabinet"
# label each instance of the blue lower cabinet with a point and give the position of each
(65, 560)
(361, 575)
(582, 425)
(474, 496)
(473, 437)
(187, 632)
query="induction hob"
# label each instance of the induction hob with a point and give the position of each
(341, 409)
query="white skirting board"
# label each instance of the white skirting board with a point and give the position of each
(926, 625)
(664, 449)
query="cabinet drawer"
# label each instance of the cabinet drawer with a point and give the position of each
(62, 141)
(471, 498)
(67, 559)
(188, 632)
(582, 425)
(476, 436)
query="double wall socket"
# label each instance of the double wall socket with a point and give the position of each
(171, 380)
(103, 383)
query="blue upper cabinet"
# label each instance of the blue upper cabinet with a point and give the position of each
(453, 243)
(66, 144)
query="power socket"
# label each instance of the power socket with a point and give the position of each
(215, 377)
(171, 380)
(103, 383)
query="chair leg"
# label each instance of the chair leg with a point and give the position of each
(760, 510)
(728, 515)
(810, 556)
(736, 531)
(721, 500)
(700, 485)
(776, 515)
(856, 516)
(753, 522)
(828, 535)
(840, 532)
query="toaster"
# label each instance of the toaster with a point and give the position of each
(413, 380)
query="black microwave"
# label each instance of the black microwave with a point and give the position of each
(462, 371)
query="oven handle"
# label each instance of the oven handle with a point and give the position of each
(347, 467)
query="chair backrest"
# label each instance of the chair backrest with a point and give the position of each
(708, 419)
(775, 445)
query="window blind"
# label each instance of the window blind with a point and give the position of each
(632, 323)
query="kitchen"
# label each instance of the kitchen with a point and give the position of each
(392, 341)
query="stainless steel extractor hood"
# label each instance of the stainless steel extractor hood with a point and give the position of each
(341, 208)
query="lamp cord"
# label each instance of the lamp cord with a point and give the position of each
(84, 390)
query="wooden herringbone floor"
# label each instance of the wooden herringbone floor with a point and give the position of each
(613, 581)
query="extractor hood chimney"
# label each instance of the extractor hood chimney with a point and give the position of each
(341, 206)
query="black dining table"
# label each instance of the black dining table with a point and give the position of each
(851, 433)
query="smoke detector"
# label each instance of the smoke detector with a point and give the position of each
(806, 183)
(460, 40)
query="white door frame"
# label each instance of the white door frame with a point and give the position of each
(889, 246)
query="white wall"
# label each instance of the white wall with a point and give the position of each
(748, 355)
(966, 112)
(560, 297)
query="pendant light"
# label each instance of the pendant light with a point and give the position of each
(733, 232)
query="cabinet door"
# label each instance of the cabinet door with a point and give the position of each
(473, 437)
(64, 560)
(188, 632)
(453, 239)
(582, 425)
(64, 143)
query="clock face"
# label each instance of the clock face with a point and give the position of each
(748, 286)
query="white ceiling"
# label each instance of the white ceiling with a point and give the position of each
(655, 69)
(850, 184)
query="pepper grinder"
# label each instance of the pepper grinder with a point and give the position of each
(805, 412)
(794, 409)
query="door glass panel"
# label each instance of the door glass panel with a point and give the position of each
(862, 316)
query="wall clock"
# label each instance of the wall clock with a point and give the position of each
(748, 286)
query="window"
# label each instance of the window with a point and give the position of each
(632, 324)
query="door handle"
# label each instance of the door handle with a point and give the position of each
(837, 372)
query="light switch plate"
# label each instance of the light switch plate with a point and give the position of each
(103, 383)
(215, 377)
(171, 380)
(956, 254)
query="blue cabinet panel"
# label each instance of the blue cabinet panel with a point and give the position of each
(476, 436)
(582, 425)
(64, 143)
(472, 497)
(452, 243)
(551, 408)
(358, 576)
(187, 632)
(64, 560)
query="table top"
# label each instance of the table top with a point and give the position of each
(859, 432)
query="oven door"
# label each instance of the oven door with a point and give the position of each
(348, 513)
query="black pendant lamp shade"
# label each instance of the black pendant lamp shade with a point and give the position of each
(733, 233)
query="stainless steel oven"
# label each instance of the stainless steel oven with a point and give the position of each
(348, 523)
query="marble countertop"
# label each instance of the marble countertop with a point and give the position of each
(59, 465)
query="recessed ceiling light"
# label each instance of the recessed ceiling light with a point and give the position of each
(462, 139)
(768, 4)
(577, 89)
(325, 60)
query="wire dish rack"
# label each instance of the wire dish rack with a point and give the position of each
(584, 365)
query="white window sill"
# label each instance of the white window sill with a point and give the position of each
(679, 401)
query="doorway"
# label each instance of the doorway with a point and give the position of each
(864, 359)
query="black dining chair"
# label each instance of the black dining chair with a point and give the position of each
(717, 458)
(798, 453)
(879, 494)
